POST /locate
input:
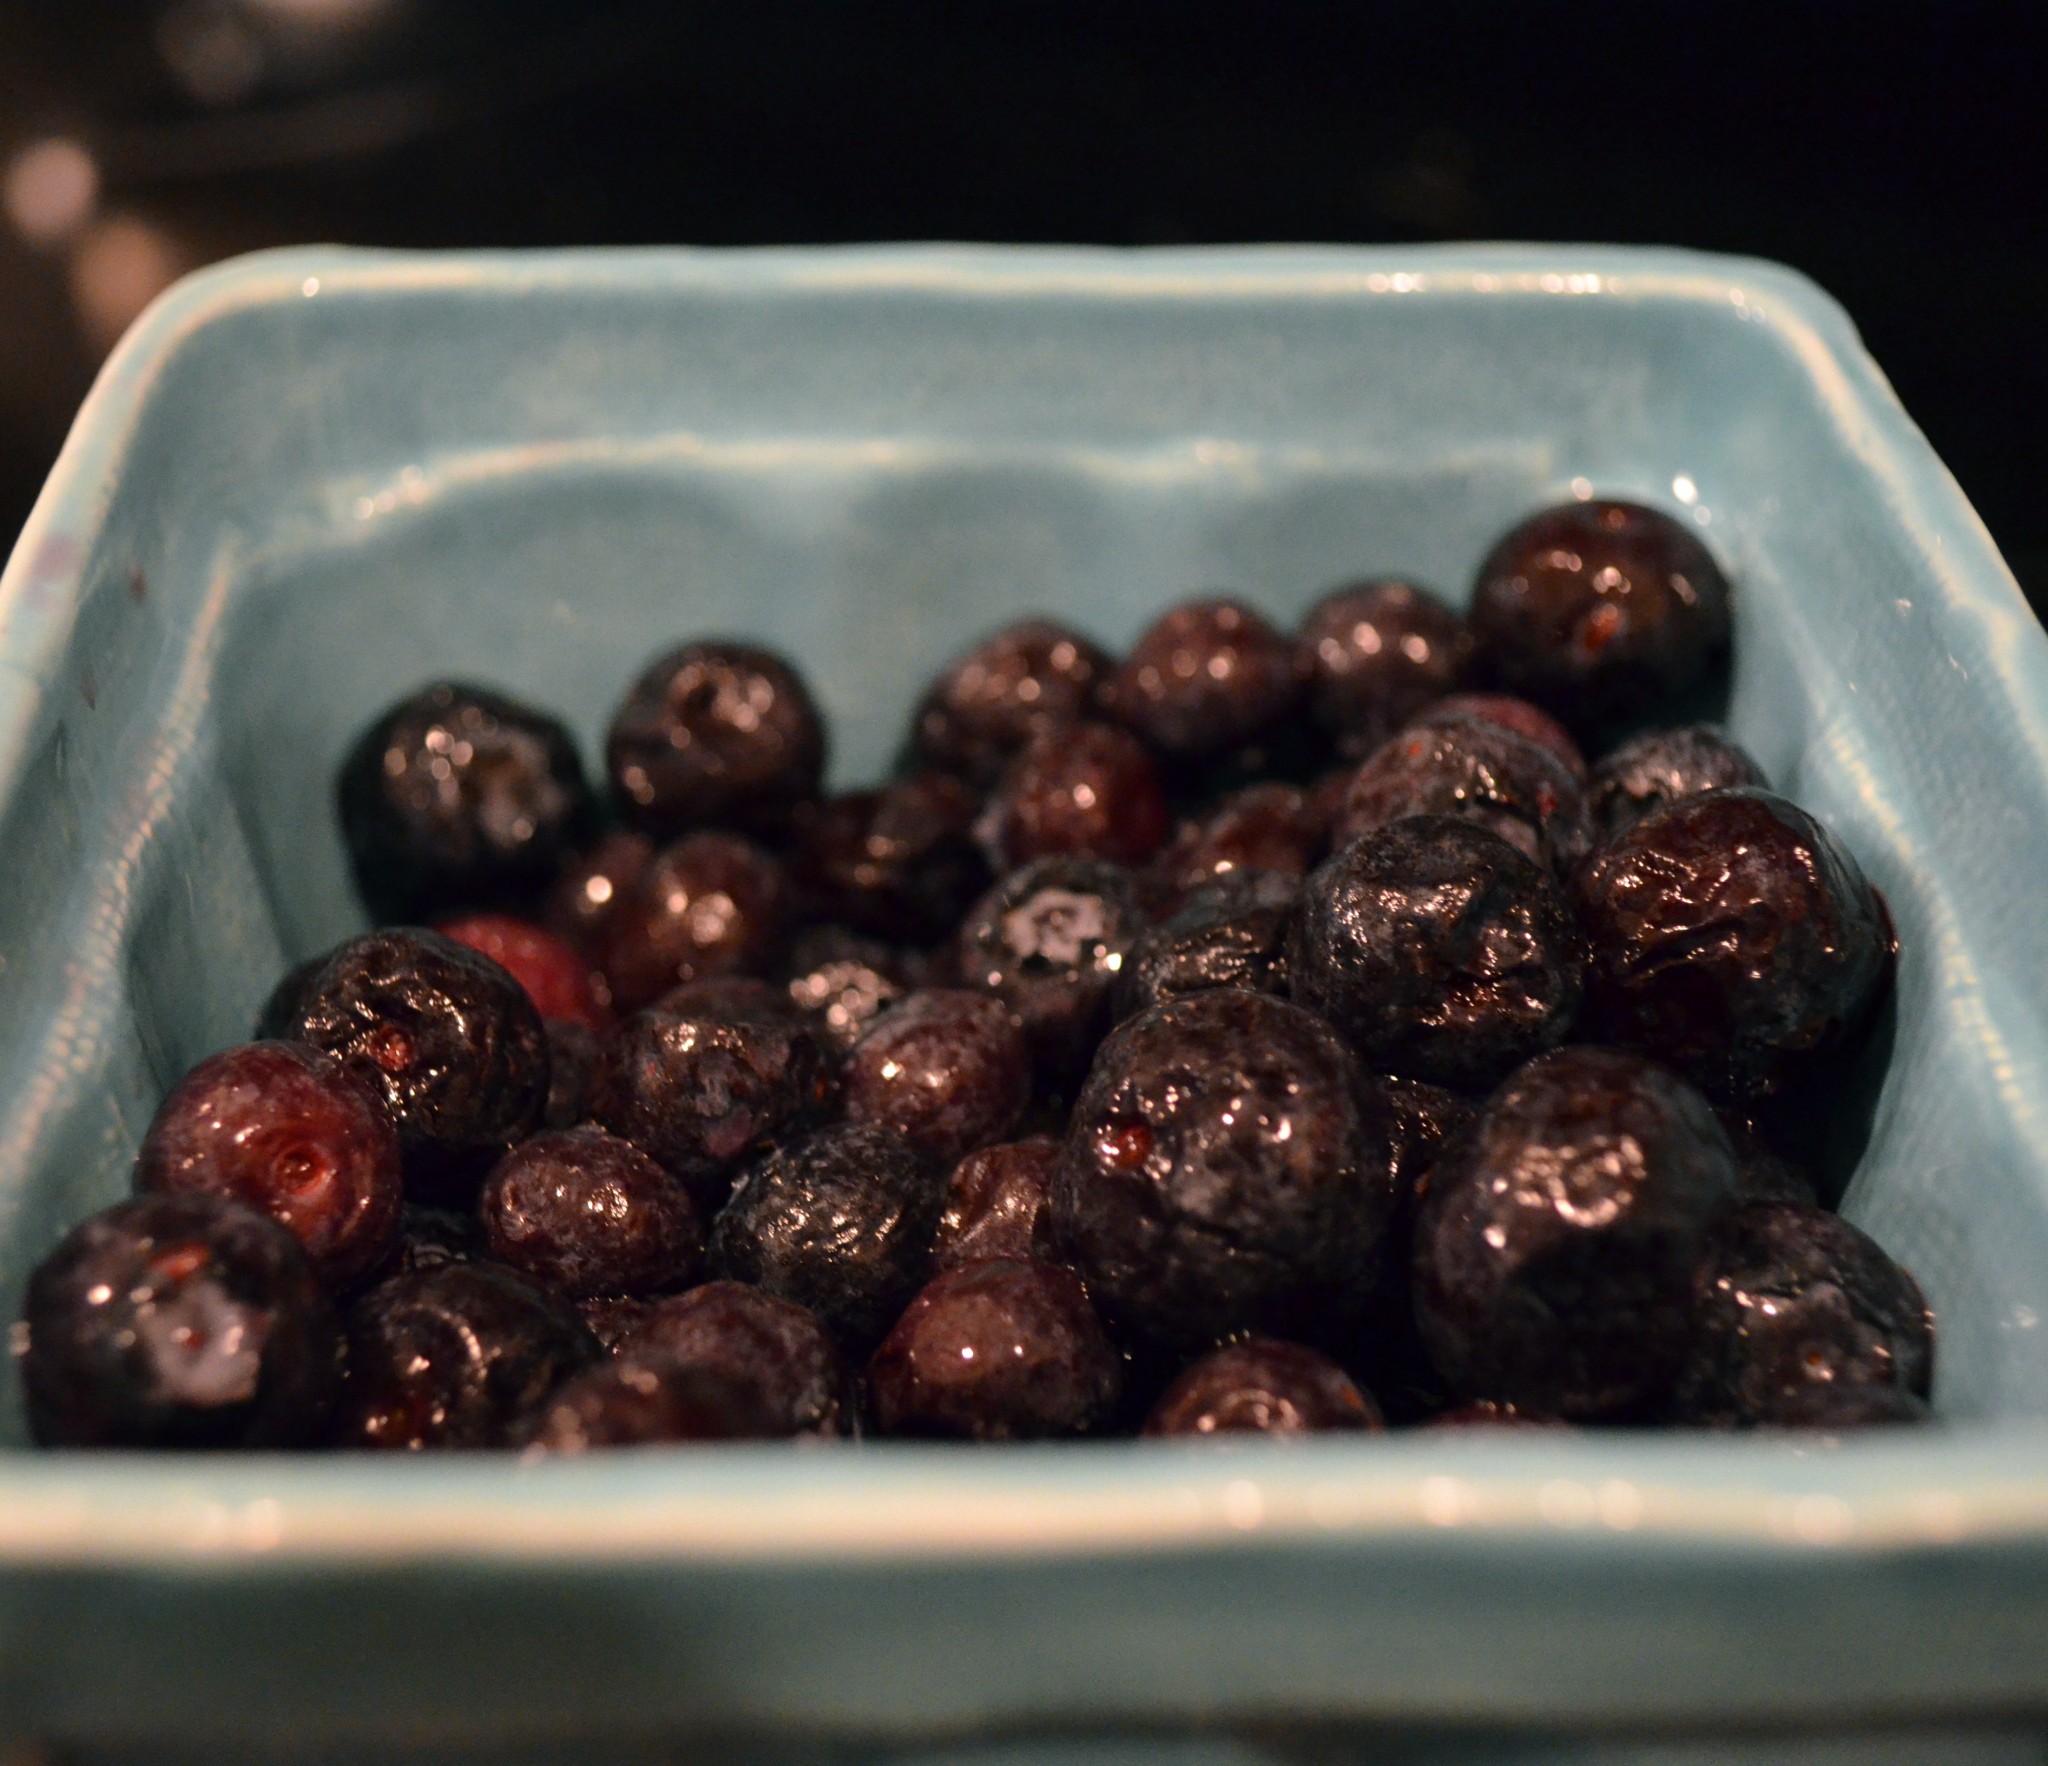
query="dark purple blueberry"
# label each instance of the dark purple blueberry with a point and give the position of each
(458, 1356)
(633, 1400)
(944, 1068)
(1230, 932)
(998, 1350)
(447, 1041)
(996, 1203)
(840, 1222)
(841, 982)
(711, 904)
(1602, 612)
(1262, 1386)
(556, 977)
(1792, 1300)
(281, 1009)
(1439, 951)
(1490, 1413)
(1048, 941)
(572, 1060)
(900, 863)
(1087, 790)
(1831, 1408)
(433, 1238)
(715, 735)
(705, 1092)
(990, 702)
(581, 1212)
(457, 797)
(1661, 766)
(1556, 1243)
(1763, 1173)
(1213, 1157)
(1731, 937)
(1376, 653)
(612, 1318)
(1479, 771)
(177, 1321)
(1529, 721)
(1206, 677)
(753, 1338)
(288, 1131)
(592, 883)
(1260, 828)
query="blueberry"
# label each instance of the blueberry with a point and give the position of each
(581, 1212)
(445, 1039)
(289, 1132)
(433, 1238)
(1262, 1386)
(711, 904)
(457, 797)
(840, 1222)
(1531, 722)
(900, 863)
(1213, 1157)
(612, 1318)
(753, 1338)
(1602, 612)
(1661, 766)
(1266, 827)
(715, 735)
(944, 1068)
(842, 982)
(996, 1203)
(591, 883)
(177, 1321)
(1439, 951)
(1230, 932)
(1089, 790)
(1480, 771)
(556, 977)
(642, 1401)
(457, 1356)
(572, 1061)
(1556, 1243)
(1792, 1303)
(280, 1009)
(705, 1091)
(1204, 678)
(990, 702)
(1731, 937)
(1375, 653)
(997, 1350)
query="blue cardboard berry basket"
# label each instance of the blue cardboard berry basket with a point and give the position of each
(310, 479)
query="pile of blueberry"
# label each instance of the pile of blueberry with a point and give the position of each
(1261, 1032)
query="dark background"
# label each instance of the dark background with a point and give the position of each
(1898, 154)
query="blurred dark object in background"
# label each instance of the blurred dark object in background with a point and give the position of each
(1896, 153)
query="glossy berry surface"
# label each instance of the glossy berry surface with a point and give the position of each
(581, 1212)
(1792, 1303)
(1480, 771)
(1259, 828)
(715, 735)
(592, 882)
(631, 1400)
(752, 1338)
(1527, 720)
(1089, 790)
(280, 1008)
(1205, 677)
(997, 1350)
(1262, 1387)
(945, 1068)
(1048, 942)
(1556, 1246)
(1731, 937)
(458, 797)
(458, 1356)
(711, 904)
(840, 1222)
(556, 976)
(1662, 766)
(177, 1321)
(289, 1132)
(990, 702)
(901, 863)
(1213, 1156)
(1600, 611)
(996, 1201)
(1374, 654)
(446, 1040)
(702, 1092)
(1439, 951)
(1233, 931)
(842, 982)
